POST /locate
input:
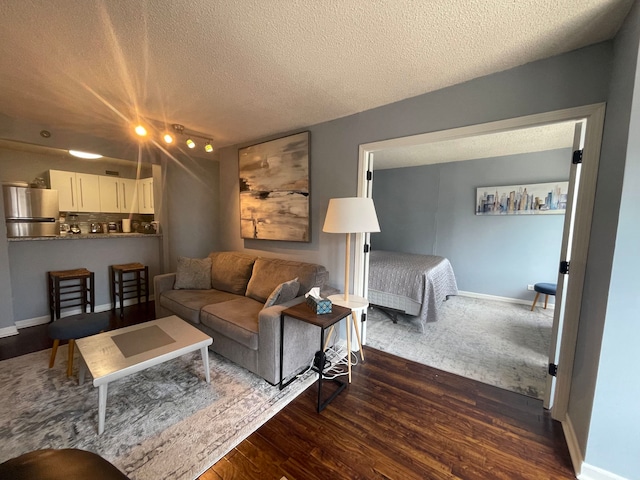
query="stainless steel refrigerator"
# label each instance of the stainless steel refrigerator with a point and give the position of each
(31, 212)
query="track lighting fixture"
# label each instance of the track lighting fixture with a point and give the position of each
(141, 131)
(180, 130)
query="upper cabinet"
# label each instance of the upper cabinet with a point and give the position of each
(145, 195)
(118, 195)
(77, 192)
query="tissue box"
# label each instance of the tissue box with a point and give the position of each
(319, 306)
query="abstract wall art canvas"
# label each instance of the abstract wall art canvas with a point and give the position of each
(535, 199)
(274, 189)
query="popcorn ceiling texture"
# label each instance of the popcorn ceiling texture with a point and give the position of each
(243, 69)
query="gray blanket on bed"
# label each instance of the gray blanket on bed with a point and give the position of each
(427, 279)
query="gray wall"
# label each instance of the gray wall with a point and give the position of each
(192, 203)
(574, 79)
(430, 210)
(613, 435)
(30, 260)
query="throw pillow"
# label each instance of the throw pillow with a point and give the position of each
(193, 274)
(283, 293)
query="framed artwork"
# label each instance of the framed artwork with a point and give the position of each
(534, 199)
(274, 189)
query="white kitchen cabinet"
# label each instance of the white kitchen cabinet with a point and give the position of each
(118, 195)
(145, 195)
(77, 192)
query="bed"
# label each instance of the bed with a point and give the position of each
(411, 284)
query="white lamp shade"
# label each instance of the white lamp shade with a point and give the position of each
(351, 215)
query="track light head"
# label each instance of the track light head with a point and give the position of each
(168, 138)
(208, 147)
(190, 143)
(141, 131)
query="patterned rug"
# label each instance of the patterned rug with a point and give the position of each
(163, 422)
(501, 344)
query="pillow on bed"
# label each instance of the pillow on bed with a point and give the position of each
(193, 274)
(283, 293)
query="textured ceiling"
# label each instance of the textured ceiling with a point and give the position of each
(524, 140)
(239, 70)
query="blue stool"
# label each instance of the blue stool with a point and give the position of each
(73, 327)
(545, 288)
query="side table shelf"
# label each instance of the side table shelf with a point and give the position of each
(303, 313)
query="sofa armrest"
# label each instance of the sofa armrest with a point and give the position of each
(301, 341)
(162, 283)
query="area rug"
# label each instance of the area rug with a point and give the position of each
(498, 343)
(163, 422)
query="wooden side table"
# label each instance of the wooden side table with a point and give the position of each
(303, 313)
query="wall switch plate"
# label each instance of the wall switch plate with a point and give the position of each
(530, 287)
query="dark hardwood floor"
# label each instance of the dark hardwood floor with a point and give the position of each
(402, 420)
(34, 339)
(397, 420)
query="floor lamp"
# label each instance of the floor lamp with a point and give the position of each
(350, 215)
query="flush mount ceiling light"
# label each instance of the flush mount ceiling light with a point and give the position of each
(87, 155)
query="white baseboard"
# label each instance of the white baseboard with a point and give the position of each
(32, 322)
(497, 298)
(577, 458)
(589, 472)
(8, 331)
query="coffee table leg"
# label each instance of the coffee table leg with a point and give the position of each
(102, 406)
(82, 371)
(205, 362)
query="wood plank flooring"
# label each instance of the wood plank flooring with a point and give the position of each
(397, 420)
(402, 420)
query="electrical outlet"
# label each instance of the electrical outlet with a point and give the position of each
(530, 287)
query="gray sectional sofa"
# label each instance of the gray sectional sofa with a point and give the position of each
(233, 312)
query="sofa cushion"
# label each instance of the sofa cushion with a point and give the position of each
(188, 303)
(230, 271)
(268, 273)
(193, 273)
(283, 293)
(236, 319)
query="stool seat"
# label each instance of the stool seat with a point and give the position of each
(129, 267)
(67, 274)
(74, 327)
(79, 326)
(546, 289)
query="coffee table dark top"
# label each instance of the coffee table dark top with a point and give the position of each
(302, 312)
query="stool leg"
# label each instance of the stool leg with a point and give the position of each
(138, 286)
(535, 300)
(112, 288)
(92, 295)
(546, 299)
(121, 293)
(51, 307)
(70, 358)
(54, 350)
(57, 296)
(146, 287)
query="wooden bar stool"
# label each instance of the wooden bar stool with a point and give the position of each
(130, 280)
(67, 286)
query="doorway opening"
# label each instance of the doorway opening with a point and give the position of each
(569, 294)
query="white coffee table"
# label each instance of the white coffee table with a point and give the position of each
(118, 353)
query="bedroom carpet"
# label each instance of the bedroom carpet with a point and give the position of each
(497, 343)
(163, 422)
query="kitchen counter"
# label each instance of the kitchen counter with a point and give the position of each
(86, 236)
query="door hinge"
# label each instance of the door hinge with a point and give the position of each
(553, 369)
(577, 157)
(369, 175)
(364, 317)
(564, 267)
(366, 248)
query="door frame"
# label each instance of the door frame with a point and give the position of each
(594, 115)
